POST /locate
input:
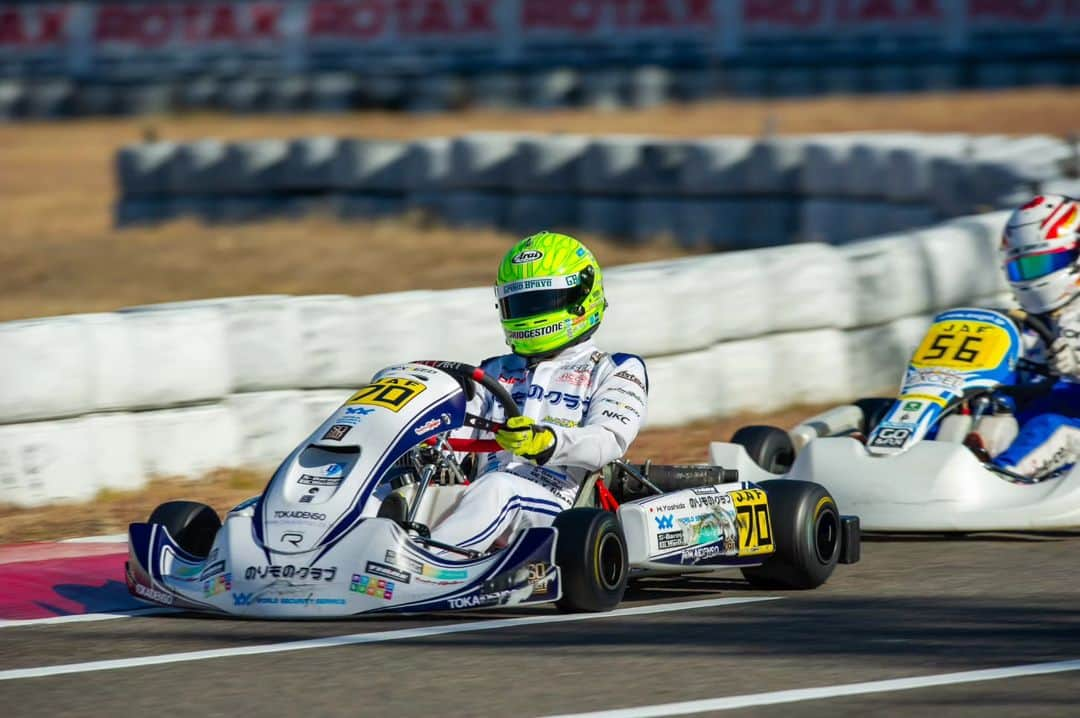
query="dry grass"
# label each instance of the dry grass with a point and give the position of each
(60, 253)
(112, 511)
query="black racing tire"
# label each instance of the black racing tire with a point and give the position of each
(770, 447)
(874, 409)
(592, 558)
(806, 532)
(192, 525)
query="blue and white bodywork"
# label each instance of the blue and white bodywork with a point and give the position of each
(913, 473)
(311, 545)
(964, 351)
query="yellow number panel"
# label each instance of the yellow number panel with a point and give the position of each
(963, 345)
(752, 516)
(390, 393)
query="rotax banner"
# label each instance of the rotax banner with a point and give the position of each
(125, 40)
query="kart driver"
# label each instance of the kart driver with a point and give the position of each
(1039, 251)
(580, 407)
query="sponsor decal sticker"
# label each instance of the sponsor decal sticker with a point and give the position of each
(290, 571)
(422, 571)
(670, 539)
(299, 516)
(700, 553)
(630, 378)
(617, 417)
(665, 522)
(386, 571)
(538, 332)
(890, 437)
(219, 584)
(428, 427)
(576, 378)
(480, 599)
(526, 256)
(704, 501)
(353, 415)
(336, 432)
(310, 480)
(153, 594)
(538, 577)
(374, 587)
(554, 398)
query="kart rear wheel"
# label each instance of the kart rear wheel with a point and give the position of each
(770, 447)
(192, 525)
(874, 409)
(806, 532)
(592, 559)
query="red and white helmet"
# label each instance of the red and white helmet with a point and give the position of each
(1039, 252)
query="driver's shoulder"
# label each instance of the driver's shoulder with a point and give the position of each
(629, 367)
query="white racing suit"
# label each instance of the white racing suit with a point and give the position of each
(1049, 436)
(593, 402)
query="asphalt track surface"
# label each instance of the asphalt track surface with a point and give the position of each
(911, 608)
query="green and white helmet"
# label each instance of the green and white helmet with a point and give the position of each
(550, 292)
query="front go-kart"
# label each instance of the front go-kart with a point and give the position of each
(313, 546)
(342, 527)
(921, 461)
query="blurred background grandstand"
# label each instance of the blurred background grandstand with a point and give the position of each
(91, 58)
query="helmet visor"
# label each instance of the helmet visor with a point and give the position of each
(528, 304)
(1035, 266)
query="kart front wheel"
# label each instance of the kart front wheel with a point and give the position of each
(770, 447)
(592, 559)
(192, 525)
(807, 533)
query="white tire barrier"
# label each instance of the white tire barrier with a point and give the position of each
(68, 460)
(187, 442)
(45, 462)
(371, 166)
(331, 341)
(962, 259)
(547, 163)
(768, 191)
(811, 367)
(809, 287)
(724, 333)
(268, 425)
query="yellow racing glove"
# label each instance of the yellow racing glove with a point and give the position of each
(521, 436)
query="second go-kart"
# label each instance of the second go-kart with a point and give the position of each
(342, 527)
(920, 462)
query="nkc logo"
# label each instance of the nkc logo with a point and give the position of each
(665, 522)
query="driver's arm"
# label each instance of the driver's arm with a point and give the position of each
(616, 412)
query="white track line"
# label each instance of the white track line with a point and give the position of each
(107, 538)
(84, 617)
(375, 637)
(849, 689)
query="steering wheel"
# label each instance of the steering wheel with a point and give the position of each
(467, 375)
(1041, 330)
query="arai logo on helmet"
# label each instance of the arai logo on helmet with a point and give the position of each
(529, 255)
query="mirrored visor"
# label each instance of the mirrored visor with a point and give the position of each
(527, 304)
(1035, 266)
